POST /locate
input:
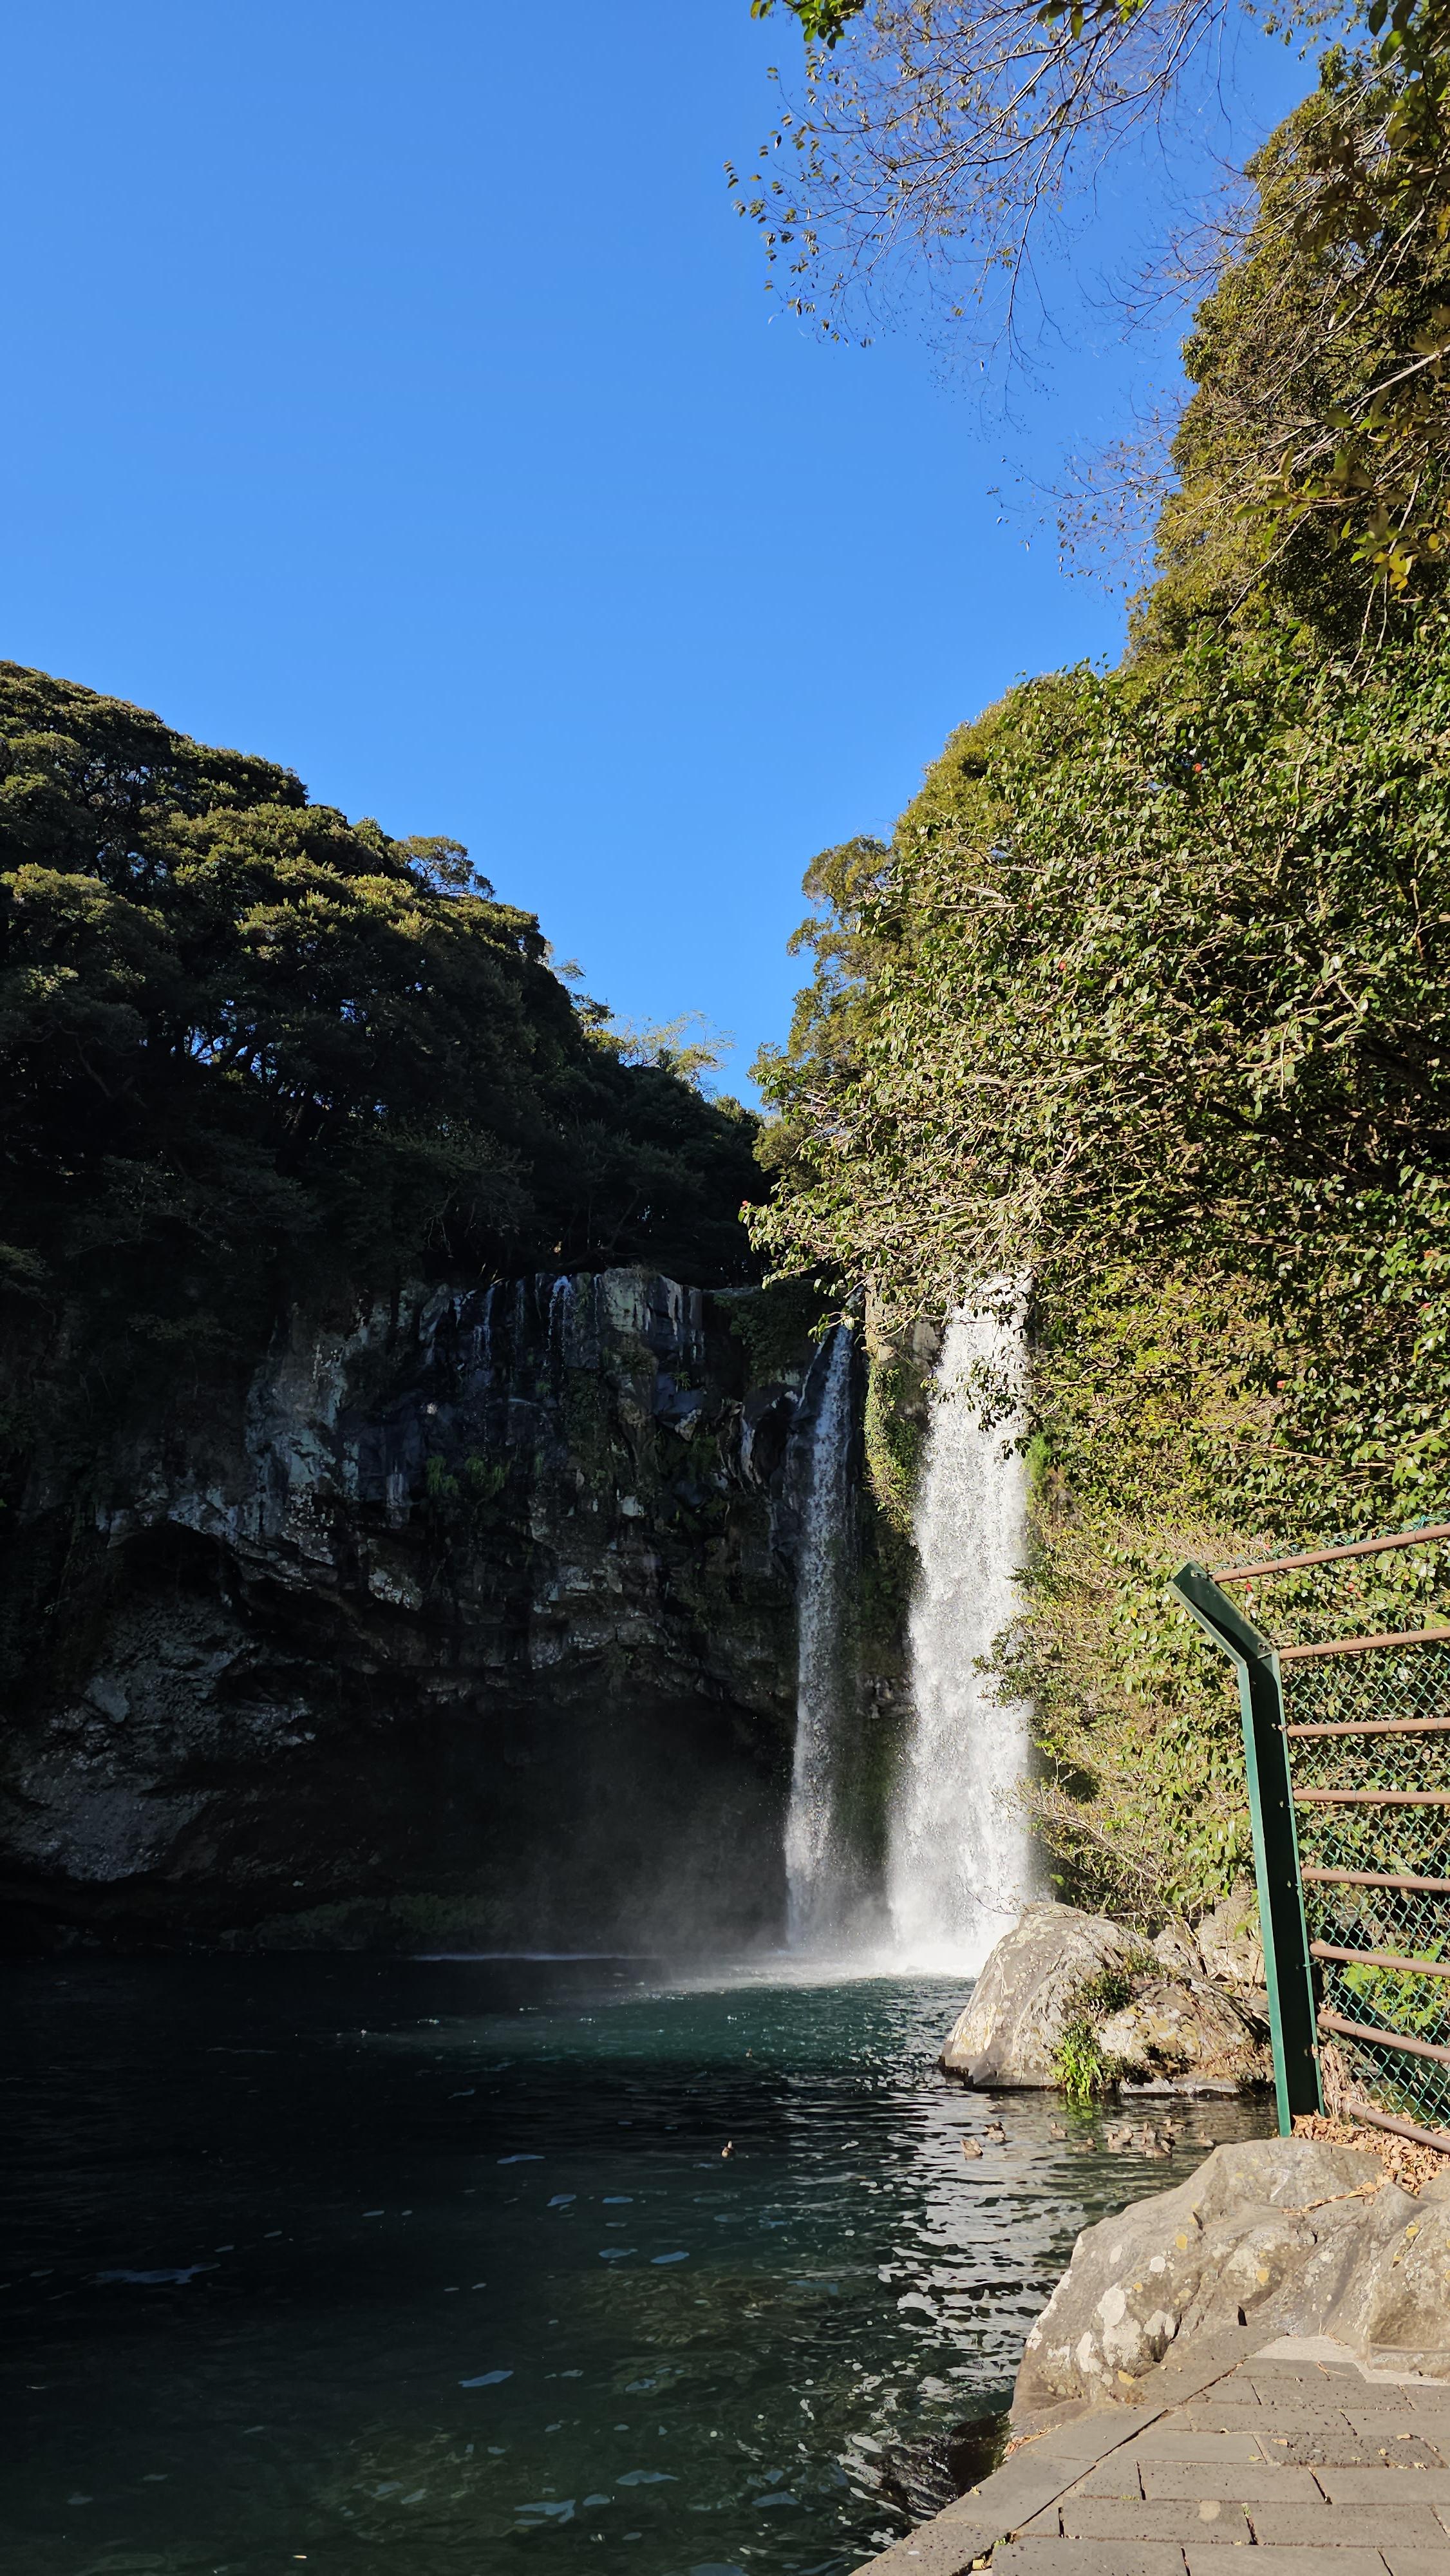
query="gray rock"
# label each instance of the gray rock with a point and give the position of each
(1179, 2030)
(1180, 1954)
(472, 1612)
(1229, 1941)
(1026, 1995)
(1293, 2236)
(1394, 2305)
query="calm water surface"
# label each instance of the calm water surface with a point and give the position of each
(439, 2266)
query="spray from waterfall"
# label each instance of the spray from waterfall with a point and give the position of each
(958, 1855)
(817, 1857)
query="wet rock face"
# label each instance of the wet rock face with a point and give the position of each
(473, 1618)
(1292, 2236)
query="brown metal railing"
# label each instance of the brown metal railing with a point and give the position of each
(1363, 1762)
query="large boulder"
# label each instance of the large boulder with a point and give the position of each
(1292, 2236)
(1027, 1994)
(1179, 2036)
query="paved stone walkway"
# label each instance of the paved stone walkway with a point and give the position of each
(1319, 2467)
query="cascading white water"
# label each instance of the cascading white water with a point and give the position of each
(561, 1308)
(816, 1859)
(958, 1854)
(485, 1337)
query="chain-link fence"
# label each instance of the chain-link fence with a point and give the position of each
(1346, 1653)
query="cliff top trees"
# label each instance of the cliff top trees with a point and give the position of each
(251, 1050)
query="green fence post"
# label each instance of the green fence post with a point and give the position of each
(1287, 1971)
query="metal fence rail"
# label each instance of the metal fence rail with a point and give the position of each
(1347, 1744)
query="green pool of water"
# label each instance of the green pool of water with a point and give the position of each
(440, 2267)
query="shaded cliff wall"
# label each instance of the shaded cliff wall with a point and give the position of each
(473, 1620)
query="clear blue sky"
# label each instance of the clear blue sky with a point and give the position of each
(392, 391)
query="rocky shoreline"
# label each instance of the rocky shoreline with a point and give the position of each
(1321, 2261)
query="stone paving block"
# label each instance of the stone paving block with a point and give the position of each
(1378, 2420)
(1337, 2526)
(1092, 2434)
(1348, 2450)
(1046, 2525)
(1098, 2518)
(1311, 2386)
(1384, 2486)
(1190, 2481)
(940, 2548)
(1117, 2475)
(1202, 2417)
(1265, 2367)
(1426, 2401)
(1213, 2561)
(1097, 2558)
(1173, 2441)
(1237, 2385)
(1304, 2407)
(1417, 2562)
(1014, 2493)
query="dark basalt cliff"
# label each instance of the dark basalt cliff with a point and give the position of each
(472, 1621)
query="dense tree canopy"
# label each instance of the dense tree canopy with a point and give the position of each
(1147, 1002)
(250, 1051)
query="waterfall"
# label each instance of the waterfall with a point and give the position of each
(958, 1858)
(817, 1858)
(485, 1339)
(561, 1308)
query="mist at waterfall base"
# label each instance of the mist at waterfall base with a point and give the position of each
(352, 2263)
(958, 1865)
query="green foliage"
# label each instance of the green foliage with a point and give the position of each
(254, 1053)
(895, 1435)
(1083, 2072)
(1147, 1002)
(942, 139)
(822, 22)
(1107, 1991)
(1311, 460)
(1084, 2069)
(781, 1323)
(1105, 1013)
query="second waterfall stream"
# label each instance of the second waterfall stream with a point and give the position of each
(817, 1855)
(958, 1859)
(958, 1867)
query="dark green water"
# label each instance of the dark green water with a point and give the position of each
(448, 2273)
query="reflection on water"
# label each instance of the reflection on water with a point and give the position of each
(444, 2266)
